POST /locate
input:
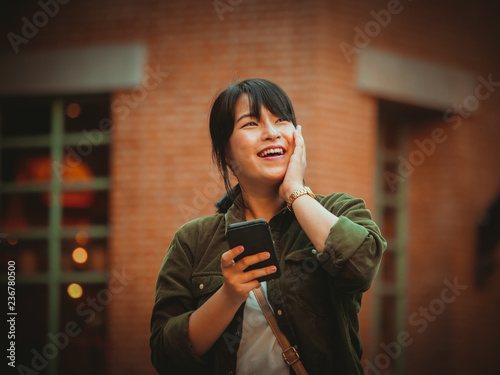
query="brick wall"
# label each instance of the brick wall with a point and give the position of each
(161, 163)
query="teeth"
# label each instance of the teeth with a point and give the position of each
(271, 151)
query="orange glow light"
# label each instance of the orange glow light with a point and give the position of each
(12, 239)
(82, 238)
(75, 290)
(80, 255)
(73, 110)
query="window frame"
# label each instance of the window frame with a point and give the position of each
(54, 278)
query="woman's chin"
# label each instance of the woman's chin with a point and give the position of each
(275, 179)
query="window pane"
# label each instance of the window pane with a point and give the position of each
(389, 223)
(26, 165)
(84, 161)
(22, 211)
(28, 174)
(391, 138)
(388, 314)
(25, 116)
(389, 268)
(31, 256)
(87, 255)
(391, 178)
(85, 315)
(31, 323)
(85, 208)
(86, 113)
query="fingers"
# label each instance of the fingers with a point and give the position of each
(299, 142)
(298, 133)
(255, 274)
(253, 259)
(228, 264)
(243, 264)
(238, 283)
(227, 259)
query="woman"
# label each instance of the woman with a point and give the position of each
(205, 319)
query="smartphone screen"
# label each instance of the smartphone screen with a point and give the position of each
(255, 236)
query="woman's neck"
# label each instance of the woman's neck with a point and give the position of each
(261, 203)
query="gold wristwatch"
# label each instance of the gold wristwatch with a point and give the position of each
(298, 193)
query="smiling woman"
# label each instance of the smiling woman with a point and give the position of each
(260, 146)
(207, 317)
(248, 99)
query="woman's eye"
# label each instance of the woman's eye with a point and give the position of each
(282, 120)
(250, 124)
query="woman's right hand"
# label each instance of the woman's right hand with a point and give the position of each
(237, 283)
(208, 322)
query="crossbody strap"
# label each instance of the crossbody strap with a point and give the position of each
(290, 354)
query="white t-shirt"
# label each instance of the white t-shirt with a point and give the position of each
(260, 352)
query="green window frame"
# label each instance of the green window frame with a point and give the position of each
(55, 277)
(389, 297)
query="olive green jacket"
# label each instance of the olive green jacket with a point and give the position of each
(316, 300)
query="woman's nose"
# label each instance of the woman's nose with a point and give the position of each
(269, 131)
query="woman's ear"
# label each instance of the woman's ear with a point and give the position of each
(231, 166)
(229, 161)
(227, 156)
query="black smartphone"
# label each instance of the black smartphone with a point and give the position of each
(255, 236)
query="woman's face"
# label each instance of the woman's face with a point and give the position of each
(259, 150)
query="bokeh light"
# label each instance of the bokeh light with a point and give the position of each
(80, 255)
(75, 290)
(73, 110)
(12, 239)
(82, 238)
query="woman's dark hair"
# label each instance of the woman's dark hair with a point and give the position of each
(261, 92)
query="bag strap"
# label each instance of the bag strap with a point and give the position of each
(290, 354)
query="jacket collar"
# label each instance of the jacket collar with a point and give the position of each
(236, 213)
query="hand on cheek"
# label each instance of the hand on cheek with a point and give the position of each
(294, 177)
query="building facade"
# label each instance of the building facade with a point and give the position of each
(105, 148)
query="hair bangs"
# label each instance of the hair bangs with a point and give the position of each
(265, 93)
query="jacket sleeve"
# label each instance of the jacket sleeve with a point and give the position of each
(353, 249)
(171, 350)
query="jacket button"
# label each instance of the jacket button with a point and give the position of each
(230, 373)
(279, 312)
(201, 286)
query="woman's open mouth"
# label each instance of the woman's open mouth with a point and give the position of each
(271, 152)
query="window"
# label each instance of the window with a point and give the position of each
(54, 198)
(396, 123)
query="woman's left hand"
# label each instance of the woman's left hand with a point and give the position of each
(294, 177)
